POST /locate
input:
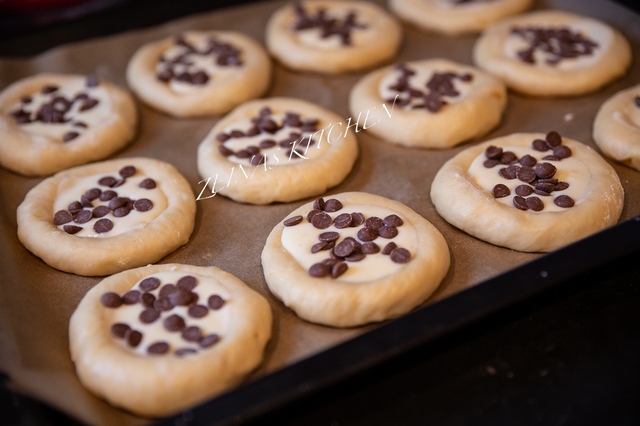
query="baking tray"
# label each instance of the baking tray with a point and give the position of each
(302, 358)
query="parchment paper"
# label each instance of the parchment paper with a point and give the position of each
(36, 300)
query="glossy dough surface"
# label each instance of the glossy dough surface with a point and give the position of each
(347, 300)
(104, 254)
(283, 176)
(157, 385)
(374, 39)
(454, 17)
(39, 148)
(616, 129)
(471, 207)
(479, 105)
(246, 73)
(601, 54)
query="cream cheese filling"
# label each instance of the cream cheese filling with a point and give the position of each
(277, 155)
(571, 170)
(218, 74)
(419, 80)
(299, 239)
(70, 190)
(215, 321)
(590, 30)
(54, 132)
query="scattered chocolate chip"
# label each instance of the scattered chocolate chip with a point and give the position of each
(173, 322)
(197, 311)
(75, 207)
(61, 217)
(148, 183)
(564, 201)
(520, 202)
(342, 221)
(534, 203)
(562, 152)
(119, 330)
(493, 152)
(500, 191)
(388, 231)
(545, 170)
(149, 283)
(72, 229)
(133, 337)
(180, 297)
(321, 220)
(292, 221)
(526, 174)
(527, 160)
(69, 136)
(389, 248)
(107, 181)
(357, 219)
(131, 297)
(127, 171)
(215, 302)
(158, 348)
(107, 195)
(393, 220)
(540, 145)
(332, 205)
(121, 211)
(524, 190)
(509, 172)
(149, 315)
(329, 236)
(319, 270)
(147, 300)
(370, 248)
(400, 255)
(561, 186)
(143, 205)
(111, 300)
(192, 333)
(209, 340)
(100, 211)
(553, 138)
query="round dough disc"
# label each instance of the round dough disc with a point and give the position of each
(222, 70)
(585, 195)
(98, 233)
(265, 131)
(384, 284)
(573, 54)
(350, 36)
(155, 349)
(455, 94)
(455, 17)
(50, 122)
(616, 128)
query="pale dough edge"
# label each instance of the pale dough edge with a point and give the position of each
(103, 256)
(121, 377)
(339, 304)
(20, 153)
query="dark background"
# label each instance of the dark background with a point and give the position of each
(568, 355)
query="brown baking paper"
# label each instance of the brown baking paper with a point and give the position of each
(36, 301)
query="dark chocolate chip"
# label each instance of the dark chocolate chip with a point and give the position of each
(338, 269)
(188, 283)
(192, 333)
(111, 300)
(162, 304)
(370, 248)
(540, 145)
(520, 203)
(545, 170)
(197, 311)
(107, 195)
(147, 300)
(131, 297)
(107, 181)
(209, 340)
(148, 183)
(393, 220)
(61, 217)
(564, 201)
(527, 160)
(319, 270)
(292, 221)
(374, 223)
(526, 174)
(357, 219)
(121, 211)
(180, 297)
(72, 229)
(493, 152)
(561, 186)
(173, 322)
(562, 152)
(553, 138)
(342, 221)
(127, 171)
(318, 203)
(388, 231)
(143, 205)
(329, 236)
(524, 190)
(69, 136)
(158, 348)
(344, 248)
(149, 315)
(389, 248)
(119, 330)
(509, 172)
(215, 302)
(321, 220)
(83, 216)
(508, 157)
(133, 337)
(332, 205)
(534, 203)
(75, 207)
(149, 283)
(400, 255)
(500, 191)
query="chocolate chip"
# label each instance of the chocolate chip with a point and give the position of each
(561, 186)
(345, 247)
(173, 322)
(167, 290)
(357, 219)
(133, 337)
(162, 304)
(147, 300)
(322, 245)
(158, 348)
(342, 221)
(83, 216)
(127, 171)
(554, 139)
(520, 203)
(321, 220)
(85, 202)
(69, 136)
(292, 221)
(318, 203)
(544, 188)
(72, 229)
(119, 330)
(545, 170)
(332, 205)
(209, 340)
(329, 236)
(493, 152)
(192, 333)
(562, 152)
(338, 269)
(526, 174)
(131, 297)
(75, 207)
(370, 248)
(107, 195)
(180, 297)
(393, 220)
(524, 190)
(111, 300)
(564, 201)
(319, 270)
(121, 211)
(149, 283)
(540, 145)
(143, 205)
(356, 256)
(389, 248)
(388, 231)
(509, 172)
(500, 191)
(148, 183)
(534, 203)
(149, 315)
(107, 181)
(508, 157)
(215, 302)
(197, 311)
(527, 160)
(187, 283)
(400, 255)
(490, 163)
(374, 223)
(61, 217)
(49, 89)
(100, 211)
